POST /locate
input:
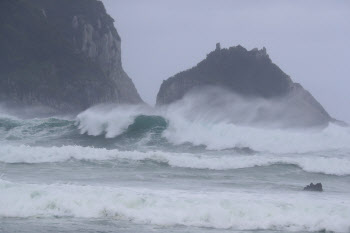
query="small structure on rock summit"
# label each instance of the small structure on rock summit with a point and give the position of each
(218, 47)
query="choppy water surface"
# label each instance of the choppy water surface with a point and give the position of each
(132, 169)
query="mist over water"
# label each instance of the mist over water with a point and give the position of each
(210, 162)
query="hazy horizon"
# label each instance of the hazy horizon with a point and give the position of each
(307, 40)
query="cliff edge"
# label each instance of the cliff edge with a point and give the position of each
(62, 54)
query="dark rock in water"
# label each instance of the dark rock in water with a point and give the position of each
(61, 54)
(249, 74)
(314, 187)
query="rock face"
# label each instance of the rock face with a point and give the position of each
(314, 187)
(62, 54)
(247, 73)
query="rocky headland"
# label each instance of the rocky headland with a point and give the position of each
(61, 54)
(249, 74)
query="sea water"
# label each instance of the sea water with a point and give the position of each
(136, 169)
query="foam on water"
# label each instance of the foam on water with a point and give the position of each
(237, 210)
(16, 129)
(177, 125)
(109, 120)
(333, 163)
(218, 136)
(215, 131)
(323, 150)
(240, 125)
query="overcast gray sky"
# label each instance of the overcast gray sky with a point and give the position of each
(308, 40)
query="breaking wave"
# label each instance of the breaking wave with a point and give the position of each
(177, 138)
(222, 210)
(178, 128)
(333, 163)
(139, 126)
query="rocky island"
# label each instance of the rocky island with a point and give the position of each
(61, 54)
(250, 74)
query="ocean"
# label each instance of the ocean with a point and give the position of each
(137, 169)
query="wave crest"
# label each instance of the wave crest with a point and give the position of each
(174, 126)
(237, 210)
(333, 164)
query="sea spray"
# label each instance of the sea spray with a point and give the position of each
(141, 127)
(156, 166)
(110, 120)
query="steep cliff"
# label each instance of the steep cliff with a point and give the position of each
(62, 54)
(249, 74)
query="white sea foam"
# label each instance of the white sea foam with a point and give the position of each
(31, 130)
(332, 163)
(217, 136)
(188, 122)
(237, 210)
(109, 119)
(241, 126)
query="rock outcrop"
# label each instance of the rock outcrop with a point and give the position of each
(249, 74)
(62, 54)
(314, 187)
